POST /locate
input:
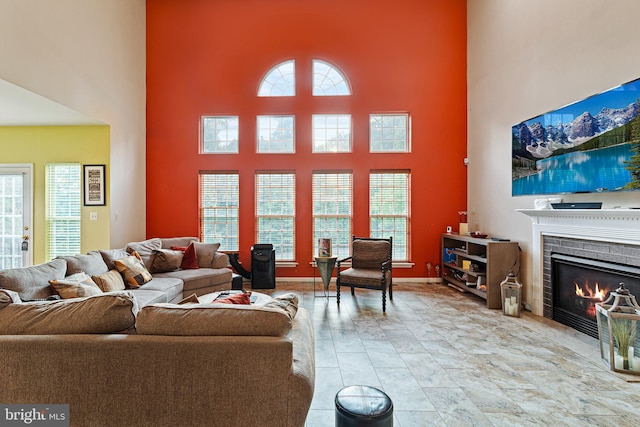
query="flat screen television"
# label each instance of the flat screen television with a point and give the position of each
(589, 146)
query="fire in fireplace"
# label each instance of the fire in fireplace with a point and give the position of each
(579, 283)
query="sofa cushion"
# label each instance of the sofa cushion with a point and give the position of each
(146, 249)
(212, 319)
(133, 271)
(205, 253)
(110, 281)
(91, 263)
(33, 282)
(200, 278)
(145, 297)
(172, 287)
(166, 260)
(110, 255)
(75, 286)
(71, 316)
(220, 260)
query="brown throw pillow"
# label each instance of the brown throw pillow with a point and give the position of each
(166, 260)
(205, 253)
(77, 285)
(110, 281)
(133, 271)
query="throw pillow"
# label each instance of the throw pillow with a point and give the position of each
(110, 281)
(110, 255)
(193, 298)
(91, 263)
(117, 312)
(242, 298)
(133, 271)
(166, 260)
(190, 259)
(146, 249)
(287, 303)
(205, 253)
(77, 285)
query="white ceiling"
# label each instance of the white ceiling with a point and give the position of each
(21, 107)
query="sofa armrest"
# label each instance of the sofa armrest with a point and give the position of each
(220, 260)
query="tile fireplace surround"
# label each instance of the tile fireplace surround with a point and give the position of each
(620, 226)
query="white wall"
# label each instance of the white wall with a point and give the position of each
(526, 57)
(88, 55)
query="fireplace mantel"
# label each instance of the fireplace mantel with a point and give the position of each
(606, 225)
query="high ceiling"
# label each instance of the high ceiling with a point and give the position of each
(21, 107)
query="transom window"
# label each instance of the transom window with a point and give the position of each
(327, 80)
(280, 80)
(63, 206)
(276, 134)
(219, 209)
(331, 133)
(388, 133)
(276, 212)
(220, 134)
(389, 209)
(332, 210)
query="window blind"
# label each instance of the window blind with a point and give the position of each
(219, 209)
(63, 207)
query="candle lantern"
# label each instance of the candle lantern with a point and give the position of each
(511, 291)
(618, 322)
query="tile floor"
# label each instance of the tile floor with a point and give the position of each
(447, 360)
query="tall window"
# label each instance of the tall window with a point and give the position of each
(276, 134)
(220, 134)
(219, 199)
(332, 210)
(63, 205)
(327, 80)
(389, 209)
(276, 212)
(388, 133)
(331, 133)
(280, 80)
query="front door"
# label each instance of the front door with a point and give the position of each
(16, 200)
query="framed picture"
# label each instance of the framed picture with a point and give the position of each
(324, 247)
(94, 182)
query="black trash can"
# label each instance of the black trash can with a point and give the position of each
(263, 266)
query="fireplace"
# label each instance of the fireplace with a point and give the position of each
(577, 284)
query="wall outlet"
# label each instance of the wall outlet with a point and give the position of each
(93, 216)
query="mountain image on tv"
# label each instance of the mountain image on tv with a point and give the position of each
(592, 145)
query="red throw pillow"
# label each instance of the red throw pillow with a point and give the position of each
(190, 258)
(243, 298)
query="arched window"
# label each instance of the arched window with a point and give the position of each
(280, 80)
(328, 81)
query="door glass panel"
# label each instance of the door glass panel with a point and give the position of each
(11, 220)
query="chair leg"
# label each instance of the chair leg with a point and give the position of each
(338, 293)
(352, 294)
(391, 291)
(384, 300)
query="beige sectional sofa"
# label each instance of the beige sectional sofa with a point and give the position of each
(137, 358)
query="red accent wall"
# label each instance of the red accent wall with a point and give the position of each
(207, 57)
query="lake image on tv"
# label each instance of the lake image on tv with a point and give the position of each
(592, 145)
(579, 171)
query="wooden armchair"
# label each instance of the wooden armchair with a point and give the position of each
(370, 267)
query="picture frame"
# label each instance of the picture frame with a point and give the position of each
(94, 185)
(324, 247)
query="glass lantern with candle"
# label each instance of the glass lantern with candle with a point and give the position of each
(511, 291)
(618, 322)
